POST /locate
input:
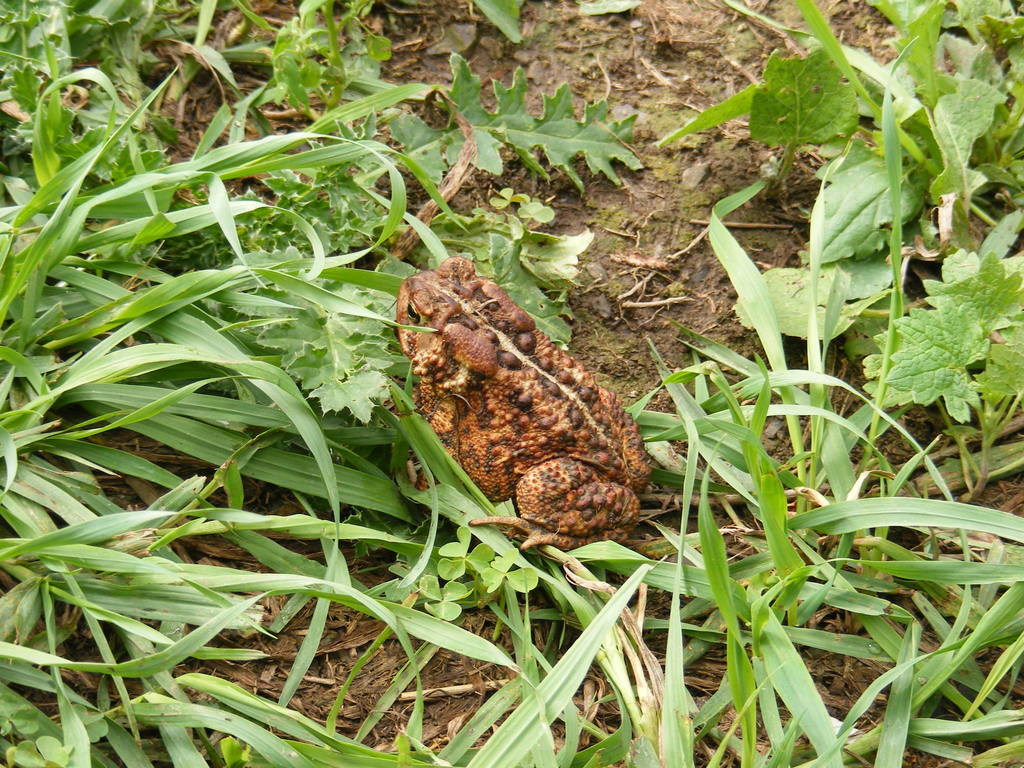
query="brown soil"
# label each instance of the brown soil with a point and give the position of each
(661, 63)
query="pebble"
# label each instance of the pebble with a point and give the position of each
(694, 175)
(622, 111)
(596, 271)
(492, 45)
(457, 38)
(600, 305)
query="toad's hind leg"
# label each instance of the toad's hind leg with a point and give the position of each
(566, 503)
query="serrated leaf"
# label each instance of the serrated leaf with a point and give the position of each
(465, 91)
(989, 295)
(422, 143)
(358, 393)
(802, 100)
(518, 259)
(1004, 371)
(972, 12)
(337, 359)
(556, 133)
(488, 152)
(935, 348)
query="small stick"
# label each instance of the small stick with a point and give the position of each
(621, 233)
(1015, 425)
(451, 184)
(660, 77)
(607, 80)
(407, 43)
(281, 114)
(321, 680)
(657, 303)
(452, 690)
(692, 245)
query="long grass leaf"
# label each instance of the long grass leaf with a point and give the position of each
(159, 710)
(899, 707)
(515, 737)
(848, 516)
(788, 675)
(88, 532)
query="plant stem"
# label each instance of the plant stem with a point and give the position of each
(334, 54)
(894, 172)
(785, 166)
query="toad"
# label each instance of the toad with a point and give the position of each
(524, 419)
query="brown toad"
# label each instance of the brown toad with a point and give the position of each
(521, 416)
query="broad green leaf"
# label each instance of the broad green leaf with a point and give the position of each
(902, 12)
(504, 14)
(958, 120)
(857, 204)
(990, 294)
(599, 7)
(918, 49)
(790, 294)
(1003, 376)
(1003, 235)
(802, 100)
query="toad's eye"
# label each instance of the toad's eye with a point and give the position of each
(412, 313)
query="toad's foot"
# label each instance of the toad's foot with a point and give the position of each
(567, 503)
(534, 535)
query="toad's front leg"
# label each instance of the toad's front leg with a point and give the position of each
(566, 503)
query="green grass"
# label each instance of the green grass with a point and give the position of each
(190, 302)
